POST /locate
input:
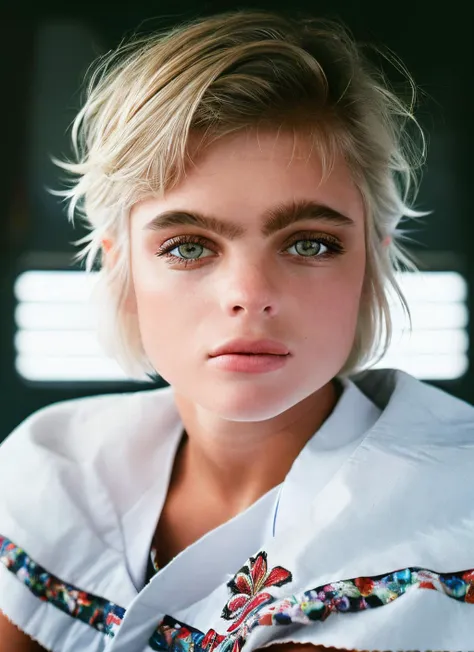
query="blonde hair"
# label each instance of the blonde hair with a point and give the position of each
(225, 74)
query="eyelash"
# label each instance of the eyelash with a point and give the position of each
(333, 244)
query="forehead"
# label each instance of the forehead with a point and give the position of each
(243, 176)
(253, 146)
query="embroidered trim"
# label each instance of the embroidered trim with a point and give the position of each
(304, 608)
(97, 612)
(345, 596)
(316, 604)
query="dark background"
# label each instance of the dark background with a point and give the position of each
(45, 50)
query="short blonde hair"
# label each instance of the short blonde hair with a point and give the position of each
(222, 75)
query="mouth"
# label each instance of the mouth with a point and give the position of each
(246, 362)
(257, 354)
(251, 348)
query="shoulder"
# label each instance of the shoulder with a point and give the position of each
(77, 428)
(72, 450)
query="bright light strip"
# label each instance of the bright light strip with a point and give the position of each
(426, 316)
(48, 368)
(54, 316)
(56, 338)
(424, 342)
(435, 287)
(54, 286)
(57, 343)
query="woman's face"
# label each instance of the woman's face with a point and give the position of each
(300, 285)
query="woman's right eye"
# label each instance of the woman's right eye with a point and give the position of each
(192, 243)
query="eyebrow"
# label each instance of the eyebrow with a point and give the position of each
(274, 219)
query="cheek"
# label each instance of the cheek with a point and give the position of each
(336, 317)
(334, 308)
(160, 322)
(166, 308)
(155, 307)
(150, 297)
(338, 293)
(151, 288)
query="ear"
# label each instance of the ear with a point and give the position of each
(109, 254)
(110, 258)
(106, 244)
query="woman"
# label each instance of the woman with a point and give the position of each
(243, 177)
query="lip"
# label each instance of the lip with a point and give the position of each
(242, 346)
(249, 363)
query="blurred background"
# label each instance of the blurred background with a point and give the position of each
(48, 350)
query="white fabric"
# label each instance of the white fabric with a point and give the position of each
(385, 484)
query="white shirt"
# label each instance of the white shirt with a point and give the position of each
(384, 485)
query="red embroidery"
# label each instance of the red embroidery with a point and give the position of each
(247, 588)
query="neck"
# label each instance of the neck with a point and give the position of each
(230, 465)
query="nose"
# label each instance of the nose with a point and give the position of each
(248, 288)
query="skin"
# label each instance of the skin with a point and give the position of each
(14, 640)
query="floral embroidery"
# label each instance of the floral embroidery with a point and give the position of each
(247, 588)
(97, 612)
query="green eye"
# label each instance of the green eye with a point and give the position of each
(308, 248)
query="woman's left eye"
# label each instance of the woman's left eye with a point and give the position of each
(307, 245)
(310, 247)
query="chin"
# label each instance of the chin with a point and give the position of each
(249, 404)
(249, 416)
